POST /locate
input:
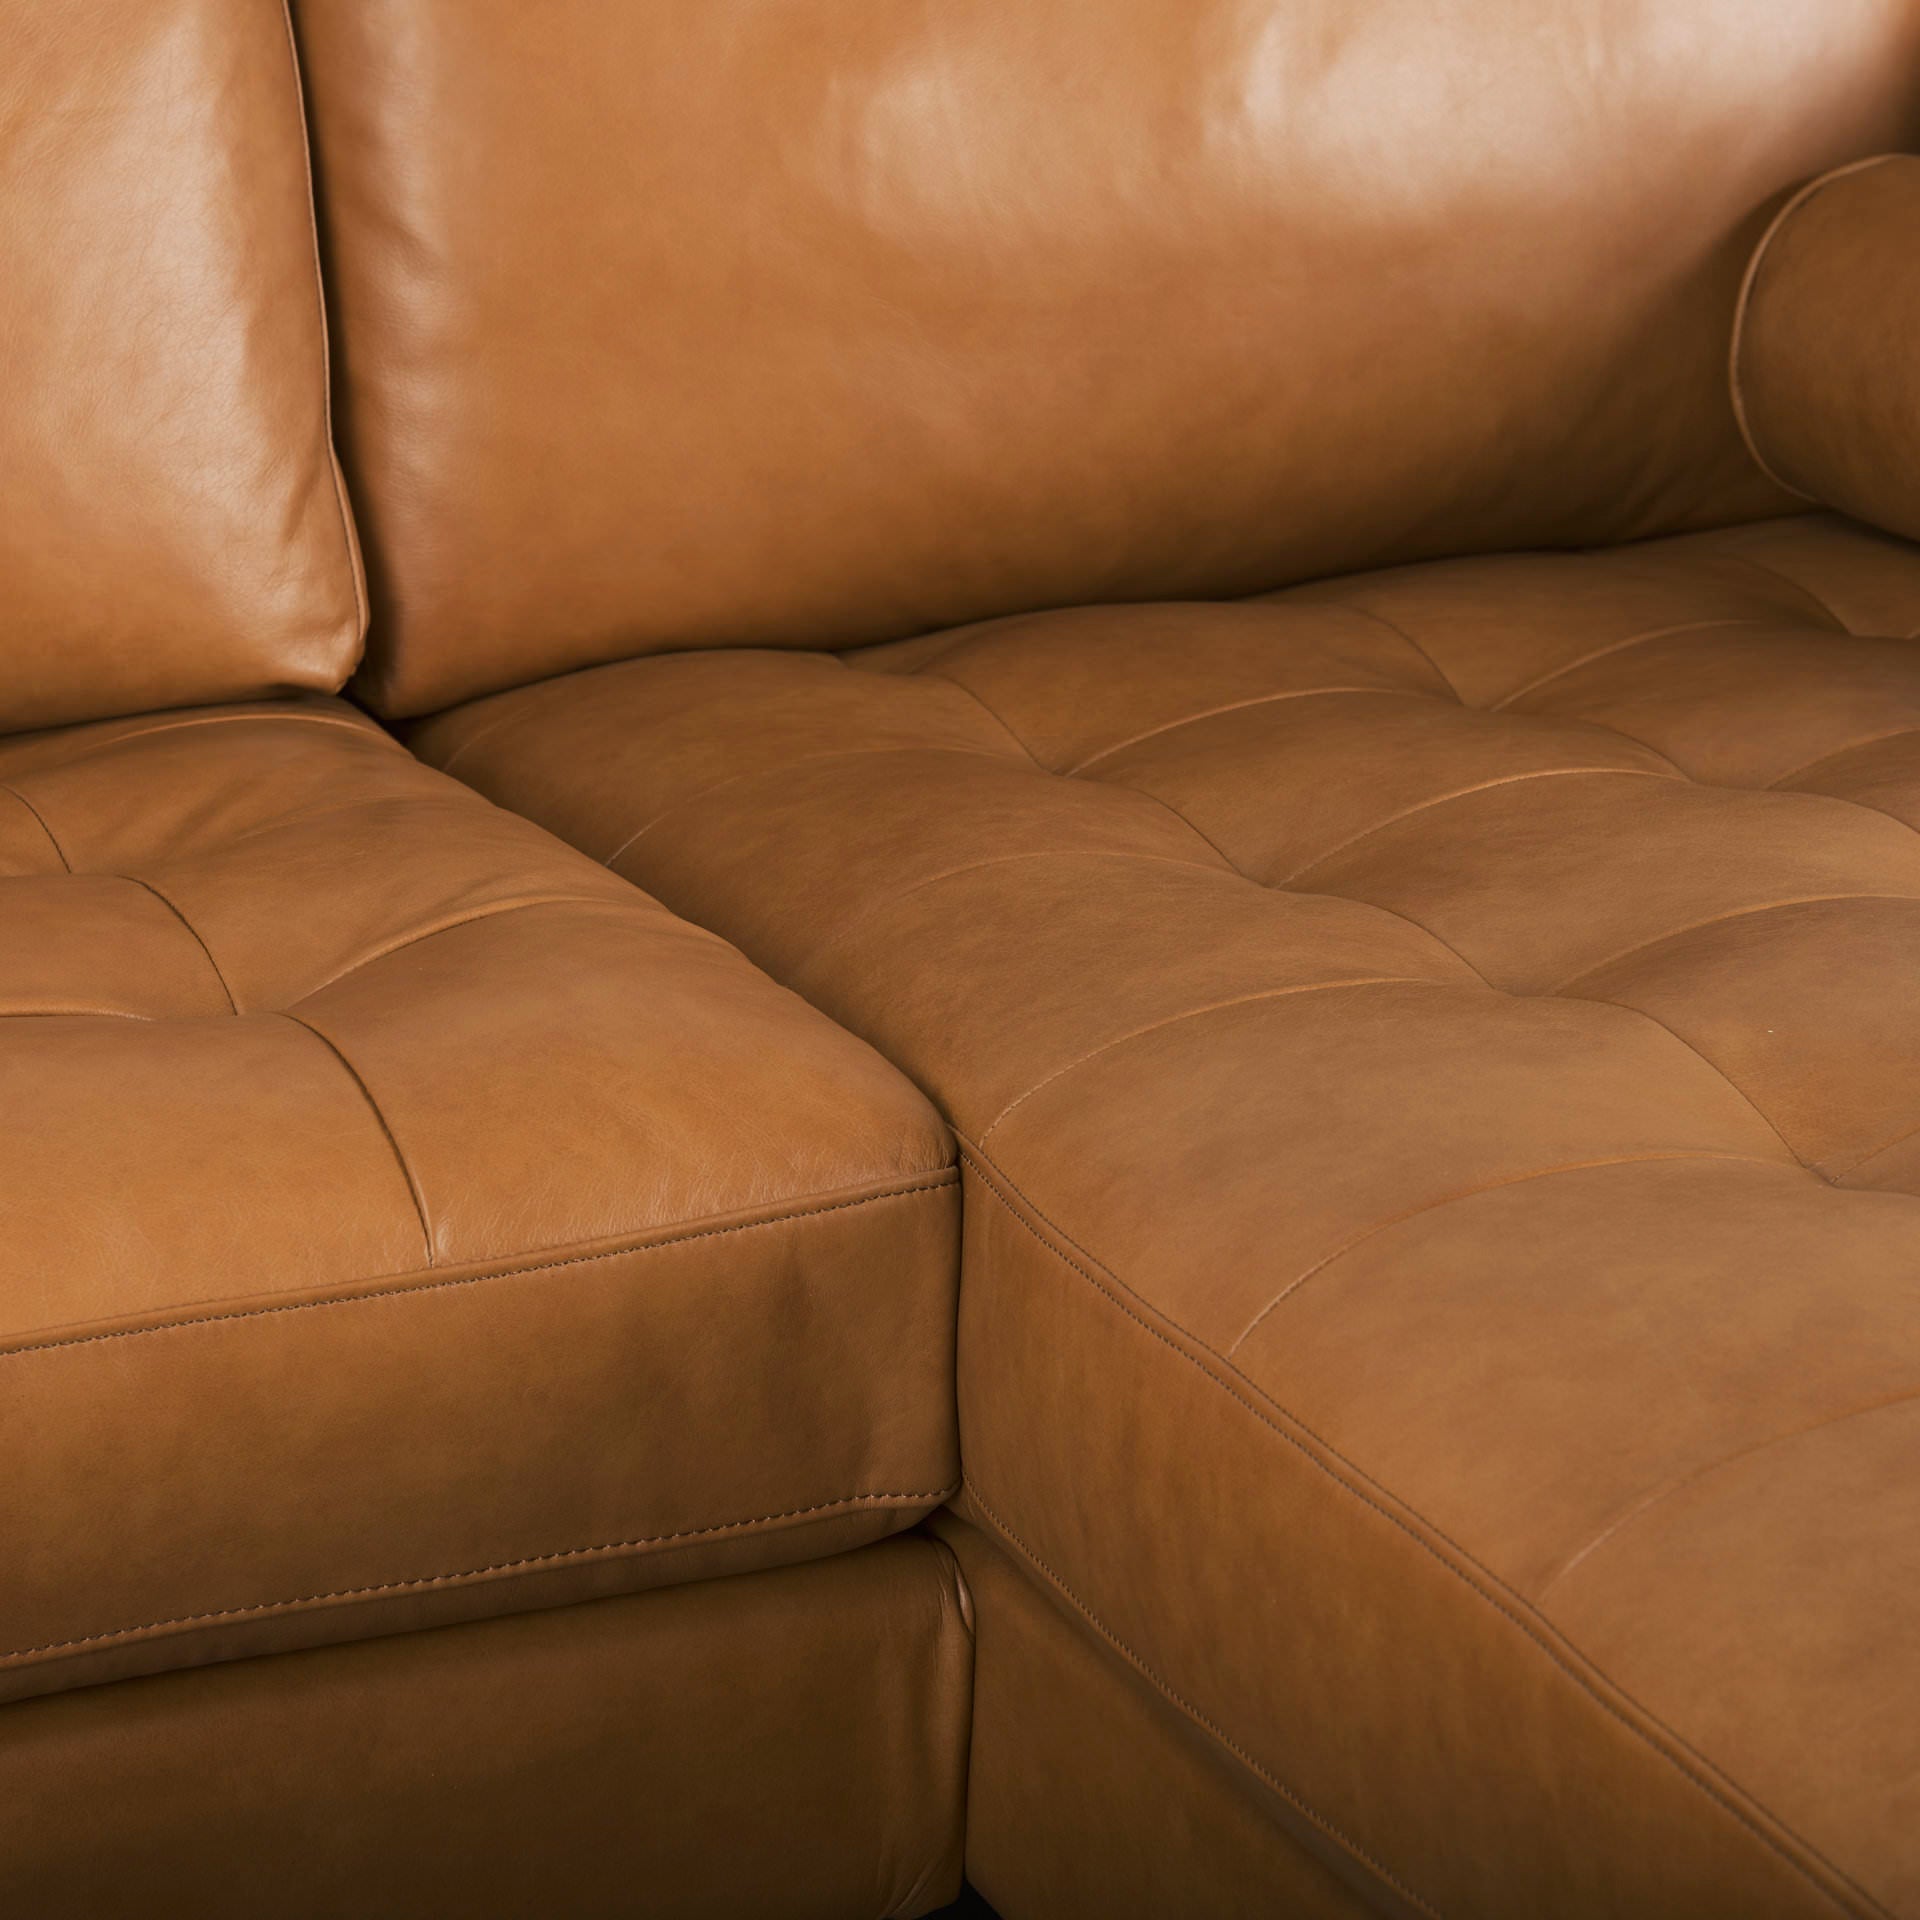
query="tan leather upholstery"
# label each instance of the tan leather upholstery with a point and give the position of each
(791, 1742)
(747, 323)
(402, 1219)
(171, 523)
(1087, 1801)
(1437, 1055)
(1826, 362)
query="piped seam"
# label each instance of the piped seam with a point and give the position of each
(942, 1183)
(530, 1563)
(1743, 306)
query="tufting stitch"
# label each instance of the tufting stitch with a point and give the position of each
(39, 820)
(419, 1199)
(193, 934)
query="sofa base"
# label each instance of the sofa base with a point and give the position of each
(786, 1743)
(1089, 1799)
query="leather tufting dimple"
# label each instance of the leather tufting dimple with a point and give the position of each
(634, 1242)
(1472, 1011)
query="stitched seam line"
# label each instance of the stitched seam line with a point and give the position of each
(1781, 784)
(1867, 1159)
(1720, 1072)
(529, 1564)
(501, 714)
(1399, 633)
(242, 714)
(1359, 1240)
(72, 1013)
(1196, 1013)
(1079, 770)
(349, 544)
(1040, 766)
(939, 1184)
(1406, 919)
(1301, 1805)
(487, 730)
(973, 632)
(1563, 989)
(1506, 701)
(947, 679)
(1480, 1582)
(1618, 732)
(1464, 793)
(1865, 806)
(1743, 307)
(492, 911)
(40, 820)
(850, 923)
(365, 805)
(1805, 592)
(386, 1129)
(133, 879)
(786, 766)
(1681, 1483)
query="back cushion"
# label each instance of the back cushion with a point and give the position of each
(693, 323)
(171, 525)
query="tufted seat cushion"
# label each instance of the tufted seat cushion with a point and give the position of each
(1438, 1063)
(402, 1219)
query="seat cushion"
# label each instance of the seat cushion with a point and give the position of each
(403, 1219)
(172, 527)
(1438, 1062)
(672, 325)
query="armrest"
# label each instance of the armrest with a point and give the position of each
(1826, 344)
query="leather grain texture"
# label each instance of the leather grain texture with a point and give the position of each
(668, 326)
(403, 1219)
(1436, 1055)
(172, 525)
(1826, 361)
(789, 1742)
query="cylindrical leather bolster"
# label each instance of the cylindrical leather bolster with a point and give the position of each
(1826, 345)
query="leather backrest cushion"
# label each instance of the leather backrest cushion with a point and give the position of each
(689, 323)
(171, 523)
(1826, 361)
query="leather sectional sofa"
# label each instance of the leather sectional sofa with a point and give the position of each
(1067, 1026)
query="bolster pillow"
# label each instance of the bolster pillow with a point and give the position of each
(1826, 346)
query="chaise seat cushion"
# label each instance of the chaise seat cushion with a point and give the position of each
(402, 1219)
(1437, 1057)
